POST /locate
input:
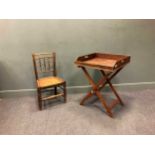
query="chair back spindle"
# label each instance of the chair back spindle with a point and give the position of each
(44, 64)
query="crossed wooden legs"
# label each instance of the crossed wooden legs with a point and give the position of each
(97, 87)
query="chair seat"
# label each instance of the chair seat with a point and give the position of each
(49, 81)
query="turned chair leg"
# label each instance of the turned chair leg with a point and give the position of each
(65, 93)
(55, 90)
(39, 100)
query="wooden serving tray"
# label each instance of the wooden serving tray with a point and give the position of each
(103, 61)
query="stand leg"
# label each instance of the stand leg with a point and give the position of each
(96, 91)
(104, 104)
(89, 94)
(97, 87)
(85, 98)
(112, 88)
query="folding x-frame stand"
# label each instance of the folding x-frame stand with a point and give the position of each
(109, 65)
(96, 88)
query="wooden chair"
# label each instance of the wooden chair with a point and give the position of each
(46, 79)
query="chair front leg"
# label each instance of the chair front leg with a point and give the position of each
(39, 99)
(65, 92)
(55, 90)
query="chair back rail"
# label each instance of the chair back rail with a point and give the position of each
(44, 63)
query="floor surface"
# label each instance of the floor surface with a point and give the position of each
(20, 115)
